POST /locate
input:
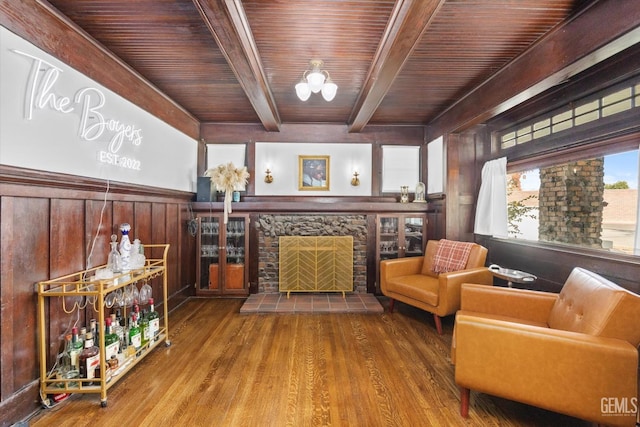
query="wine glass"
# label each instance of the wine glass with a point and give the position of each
(110, 300)
(119, 297)
(145, 293)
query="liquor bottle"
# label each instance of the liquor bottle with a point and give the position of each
(119, 331)
(93, 328)
(135, 336)
(111, 340)
(67, 369)
(125, 247)
(144, 328)
(89, 358)
(114, 261)
(137, 258)
(76, 347)
(154, 321)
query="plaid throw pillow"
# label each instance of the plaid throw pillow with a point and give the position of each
(451, 256)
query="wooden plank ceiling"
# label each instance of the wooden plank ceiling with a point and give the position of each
(394, 61)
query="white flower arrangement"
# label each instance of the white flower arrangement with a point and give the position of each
(228, 178)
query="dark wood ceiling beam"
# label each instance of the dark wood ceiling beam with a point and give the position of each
(229, 26)
(571, 48)
(408, 22)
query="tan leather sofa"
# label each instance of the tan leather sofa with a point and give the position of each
(412, 281)
(574, 353)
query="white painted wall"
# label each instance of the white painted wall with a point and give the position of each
(282, 159)
(53, 118)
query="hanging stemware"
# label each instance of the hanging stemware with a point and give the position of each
(145, 293)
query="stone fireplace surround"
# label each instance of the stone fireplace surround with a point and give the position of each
(272, 226)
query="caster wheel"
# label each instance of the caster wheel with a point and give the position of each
(103, 403)
(167, 343)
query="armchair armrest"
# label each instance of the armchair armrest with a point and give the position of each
(559, 370)
(449, 287)
(400, 267)
(527, 305)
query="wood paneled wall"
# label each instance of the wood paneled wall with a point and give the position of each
(553, 264)
(52, 225)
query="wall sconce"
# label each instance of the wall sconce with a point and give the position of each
(355, 181)
(268, 178)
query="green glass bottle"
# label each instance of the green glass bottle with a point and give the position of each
(76, 347)
(144, 329)
(154, 321)
(111, 340)
(67, 370)
(135, 336)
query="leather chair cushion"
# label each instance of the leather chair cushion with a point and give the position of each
(418, 286)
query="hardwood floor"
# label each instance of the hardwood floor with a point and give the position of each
(230, 369)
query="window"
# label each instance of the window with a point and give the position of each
(400, 167)
(607, 103)
(588, 202)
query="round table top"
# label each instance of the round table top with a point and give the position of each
(511, 275)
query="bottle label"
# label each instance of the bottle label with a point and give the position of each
(146, 333)
(92, 363)
(112, 349)
(154, 327)
(136, 340)
(74, 359)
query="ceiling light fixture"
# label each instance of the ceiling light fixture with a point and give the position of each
(316, 80)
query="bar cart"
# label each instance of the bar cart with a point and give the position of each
(83, 284)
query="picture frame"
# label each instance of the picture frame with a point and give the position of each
(313, 173)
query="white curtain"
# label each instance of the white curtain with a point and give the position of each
(491, 210)
(636, 244)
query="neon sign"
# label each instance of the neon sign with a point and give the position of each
(88, 103)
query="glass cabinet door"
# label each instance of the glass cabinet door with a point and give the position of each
(413, 244)
(235, 251)
(222, 255)
(388, 237)
(209, 252)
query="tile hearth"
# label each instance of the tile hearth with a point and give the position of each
(311, 303)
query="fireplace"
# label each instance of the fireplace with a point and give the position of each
(272, 226)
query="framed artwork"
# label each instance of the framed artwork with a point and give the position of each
(313, 173)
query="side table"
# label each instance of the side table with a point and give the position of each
(511, 276)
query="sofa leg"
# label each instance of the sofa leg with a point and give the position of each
(436, 319)
(391, 301)
(464, 402)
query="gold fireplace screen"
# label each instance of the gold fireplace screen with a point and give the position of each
(316, 264)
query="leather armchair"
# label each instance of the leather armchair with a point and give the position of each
(574, 353)
(412, 281)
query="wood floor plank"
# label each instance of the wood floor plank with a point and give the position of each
(230, 369)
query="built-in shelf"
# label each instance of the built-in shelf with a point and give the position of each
(326, 205)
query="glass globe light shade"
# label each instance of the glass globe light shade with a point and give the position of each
(303, 91)
(329, 90)
(315, 80)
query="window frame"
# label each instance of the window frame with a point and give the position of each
(608, 135)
